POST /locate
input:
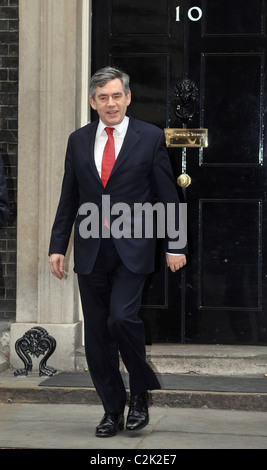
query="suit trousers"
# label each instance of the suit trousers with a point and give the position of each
(111, 299)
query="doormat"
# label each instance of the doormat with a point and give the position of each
(170, 382)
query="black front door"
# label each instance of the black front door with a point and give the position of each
(220, 297)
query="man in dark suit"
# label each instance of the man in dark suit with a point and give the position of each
(4, 207)
(112, 257)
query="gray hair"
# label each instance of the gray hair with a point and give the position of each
(102, 76)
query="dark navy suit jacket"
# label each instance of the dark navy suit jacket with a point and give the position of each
(4, 207)
(142, 171)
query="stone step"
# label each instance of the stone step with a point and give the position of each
(221, 360)
(35, 389)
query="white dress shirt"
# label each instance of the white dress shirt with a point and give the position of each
(101, 140)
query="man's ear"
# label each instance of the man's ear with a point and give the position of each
(129, 98)
(92, 102)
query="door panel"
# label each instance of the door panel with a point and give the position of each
(225, 17)
(152, 72)
(232, 91)
(230, 254)
(140, 18)
(220, 297)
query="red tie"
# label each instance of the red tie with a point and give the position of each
(108, 159)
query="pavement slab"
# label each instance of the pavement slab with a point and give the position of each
(69, 426)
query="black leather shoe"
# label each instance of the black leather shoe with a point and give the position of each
(138, 416)
(109, 425)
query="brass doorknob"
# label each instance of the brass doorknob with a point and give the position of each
(184, 180)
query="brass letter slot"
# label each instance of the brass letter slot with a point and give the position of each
(186, 137)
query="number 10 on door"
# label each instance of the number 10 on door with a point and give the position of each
(194, 14)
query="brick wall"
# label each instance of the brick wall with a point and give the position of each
(9, 38)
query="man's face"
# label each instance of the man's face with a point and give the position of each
(111, 102)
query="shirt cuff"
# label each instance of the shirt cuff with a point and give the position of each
(175, 254)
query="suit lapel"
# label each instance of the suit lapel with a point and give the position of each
(131, 139)
(91, 148)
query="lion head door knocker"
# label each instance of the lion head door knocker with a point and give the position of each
(186, 93)
(35, 342)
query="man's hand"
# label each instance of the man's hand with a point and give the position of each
(175, 262)
(57, 265)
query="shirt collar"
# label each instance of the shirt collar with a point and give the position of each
(119, 127)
